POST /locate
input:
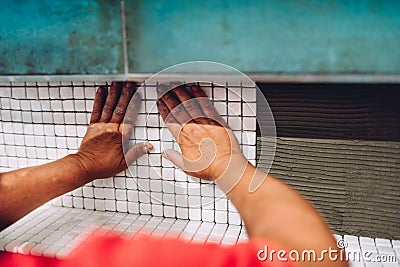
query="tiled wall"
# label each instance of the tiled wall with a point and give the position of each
(41, 122)
(120, 37)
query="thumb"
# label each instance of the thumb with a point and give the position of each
(137, 151)
(175, 157)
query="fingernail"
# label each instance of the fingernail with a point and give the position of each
(163, 154)
(148, 147)
(128, 85)
(100, 90)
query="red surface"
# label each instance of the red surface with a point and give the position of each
(147, 251)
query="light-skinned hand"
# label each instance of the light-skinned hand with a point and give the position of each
(209, 147)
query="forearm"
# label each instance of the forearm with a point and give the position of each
(278, 213)
(23, 190)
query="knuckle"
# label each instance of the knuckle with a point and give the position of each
(107, 108)
(178, 109)
(190, 105)
(119, 110)
(205, 103)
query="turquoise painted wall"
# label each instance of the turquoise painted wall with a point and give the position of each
(54, 36)
(64, 37)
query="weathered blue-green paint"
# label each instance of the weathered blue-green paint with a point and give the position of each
(290, 36)
(266, 36)
(60, 37)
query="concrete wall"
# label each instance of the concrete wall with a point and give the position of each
(342, 152)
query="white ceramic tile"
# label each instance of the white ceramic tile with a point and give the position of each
(235, 123)
(109, 193)
(89, 105)
(144, 208)
(382, 242)
(144, 197)
(195, 214)
(58, 118)
(67, 201)
(9, 139)
(156, 185)
(99, 193)
(152, 120)
(121, 194)
(366, 240)
(249, 123)
(234, 218)
(63, 131)
(78, 92)
(234, 94)
(110, 204)
(5, 92)
(18, 92)
(153, 134)
(249, 109)
(122, 206)
(108, 182)
(132, 195)
(221, 216)
(182, 213)
(249, 94)
(368, 247)
(221, 107)
(77, 202)
(235, 109)
(220, 94)
(99, 204)
(88, 203)
(66, 92)
(350, 246)
(131, 183)
(88, 191)
(385, 250)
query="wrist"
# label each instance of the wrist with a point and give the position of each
(233, 173)
(77, 170)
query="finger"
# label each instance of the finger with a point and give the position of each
(137, 151)
(162, 107)
(190, 103)
(131, 113)
(173, 104)
(111, 101)
(169, 119)
(206, 106)
(175, 157)
(98, 104)
(124, 99)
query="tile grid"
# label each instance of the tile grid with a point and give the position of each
(41, 122)
(55, 231)
(378, 252)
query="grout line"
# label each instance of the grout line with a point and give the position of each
(124, 37)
